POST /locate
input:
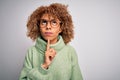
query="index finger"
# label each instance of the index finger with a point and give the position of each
(48, 44)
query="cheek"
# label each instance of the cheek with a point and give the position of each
(42, 32)
(57, 31)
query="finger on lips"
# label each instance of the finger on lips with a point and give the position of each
(50, 52)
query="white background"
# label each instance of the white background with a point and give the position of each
(97, 36)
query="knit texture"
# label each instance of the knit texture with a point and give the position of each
(64, 66)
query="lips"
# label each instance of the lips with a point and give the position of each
(48, 33)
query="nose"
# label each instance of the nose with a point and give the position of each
(48, 26)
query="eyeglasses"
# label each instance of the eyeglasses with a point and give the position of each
(54, 23)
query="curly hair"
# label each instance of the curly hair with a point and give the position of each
(55, 10)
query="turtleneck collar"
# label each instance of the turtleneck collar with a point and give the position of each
(41, 44)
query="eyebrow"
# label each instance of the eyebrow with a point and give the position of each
(49, 20)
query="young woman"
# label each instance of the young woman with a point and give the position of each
(51, 58)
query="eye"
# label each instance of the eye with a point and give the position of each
(54, 23)
(43, 22)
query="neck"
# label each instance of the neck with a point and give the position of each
(53, 41)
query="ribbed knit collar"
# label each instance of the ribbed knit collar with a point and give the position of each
(41, 44)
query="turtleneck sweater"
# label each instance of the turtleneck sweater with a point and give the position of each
(64, 66)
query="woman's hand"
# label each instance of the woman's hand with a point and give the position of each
(49, 55)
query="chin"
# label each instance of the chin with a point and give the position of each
(46, 38)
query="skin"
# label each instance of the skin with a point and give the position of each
(49, 34)
(54, 31)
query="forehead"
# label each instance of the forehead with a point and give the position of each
(48, 16)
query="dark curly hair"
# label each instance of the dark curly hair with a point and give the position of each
(55, 10)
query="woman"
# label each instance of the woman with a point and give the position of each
(51, 58)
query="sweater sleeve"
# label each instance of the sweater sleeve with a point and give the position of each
(30, 73)
(76, 73)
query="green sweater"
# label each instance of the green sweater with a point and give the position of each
(63, 67)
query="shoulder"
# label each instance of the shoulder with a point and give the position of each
(31, 47)
(73, 55)
(72, 51)
(71, 48)
(30, 51)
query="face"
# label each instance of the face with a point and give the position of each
(49, 28)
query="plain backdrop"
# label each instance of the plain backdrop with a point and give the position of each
(97, 36)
